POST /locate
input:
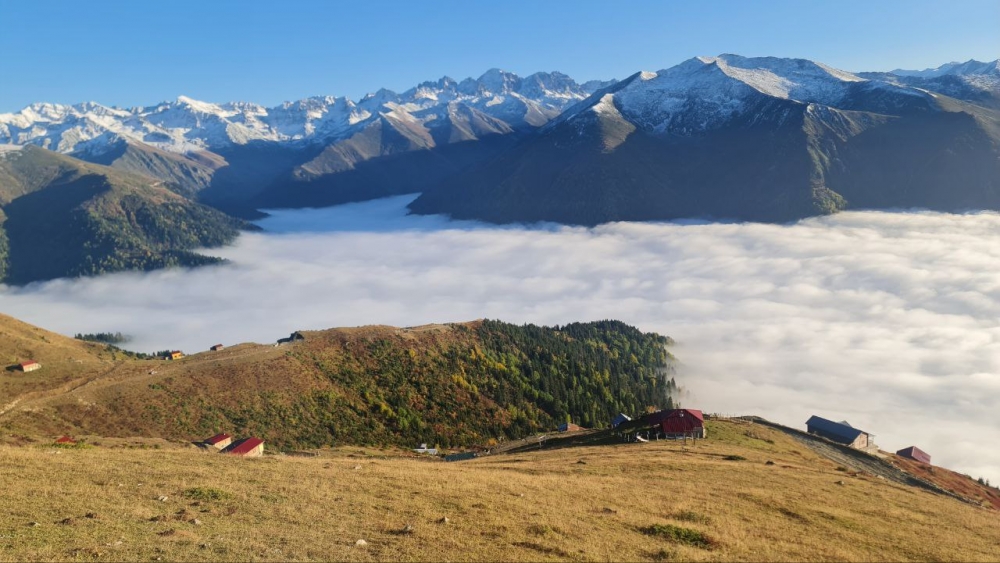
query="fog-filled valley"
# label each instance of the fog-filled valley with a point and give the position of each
(886, 319)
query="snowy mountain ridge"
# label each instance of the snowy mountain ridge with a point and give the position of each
(186, 124)
(698, 94)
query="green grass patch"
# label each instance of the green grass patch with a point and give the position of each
(677, 534)
(690, 516)
(206, 493)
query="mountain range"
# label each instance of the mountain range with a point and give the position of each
(727, 137)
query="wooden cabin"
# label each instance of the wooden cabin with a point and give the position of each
(219, 441)
(841, 432)
(247, 447)
(915, 453)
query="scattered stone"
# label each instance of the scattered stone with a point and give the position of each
(360, 543)
(33, 524)
(839, 483)
(444, 520)
(161, 499)
(607, 510)
(195, 503)
(356, 467)
(196, 522)
(769, 462)
(67, 521)
(581, 462)
(92, 516)
(407, 529)
(160, 518)
(166, 533)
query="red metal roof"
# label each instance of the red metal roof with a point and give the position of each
(65, 440)
(218, 438)
(29, 363)
(244, 446)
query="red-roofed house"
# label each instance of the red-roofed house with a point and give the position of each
(247, 447)
(219, 441)
(915, 453)
(65, 440)
(30, 365)
(679, 422)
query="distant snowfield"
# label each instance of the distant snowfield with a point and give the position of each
(888, 320)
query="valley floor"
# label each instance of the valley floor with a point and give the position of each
(656, 501)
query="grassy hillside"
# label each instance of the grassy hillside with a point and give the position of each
(185, 174)
(449, 385)
(718, 500)
(66, 362)
(66, 217)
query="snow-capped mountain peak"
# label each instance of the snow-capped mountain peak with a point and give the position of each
(707, 90)
(968, 68)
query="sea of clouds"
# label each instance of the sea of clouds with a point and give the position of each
(888, 320)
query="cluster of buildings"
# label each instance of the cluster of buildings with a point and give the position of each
(668, 424)
(244, 447)
(843, 433)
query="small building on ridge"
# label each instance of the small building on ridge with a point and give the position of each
(840, 432)
(247, 447)
(219, 441)
(30, 365)
(915, 453)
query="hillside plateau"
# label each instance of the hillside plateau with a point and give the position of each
(747, 493)
(452, 385)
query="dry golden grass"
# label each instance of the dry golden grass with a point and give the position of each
(583, 503)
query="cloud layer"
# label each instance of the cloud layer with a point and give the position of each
(888, 320)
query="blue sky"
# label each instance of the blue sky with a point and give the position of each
(138, 53)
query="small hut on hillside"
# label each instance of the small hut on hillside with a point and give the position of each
(915, 453)
(841, 432)
(570, 427)
(247, 447)
(680, 423)
(30, 365)
(219, 441)
(217, 347)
